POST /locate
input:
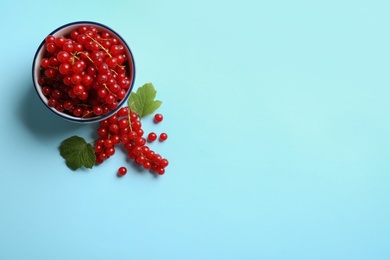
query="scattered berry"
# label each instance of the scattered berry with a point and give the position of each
(122, 171)
(86, 69)
(163, 137)
(158, 118)
(152, 137)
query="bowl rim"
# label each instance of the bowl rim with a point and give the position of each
(67, 116)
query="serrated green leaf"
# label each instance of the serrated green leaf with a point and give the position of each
(77, 153)
(142, 102)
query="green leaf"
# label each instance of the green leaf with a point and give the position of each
(142, 102)
(77, 153)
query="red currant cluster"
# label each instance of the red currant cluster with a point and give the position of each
(124, 127)
(84, 73)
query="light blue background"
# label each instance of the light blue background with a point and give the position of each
(278, 121)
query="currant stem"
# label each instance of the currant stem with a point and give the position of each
(128, 118)
(101, 46)
(90, 112)
(74, 56)
(89, 58)
(108, 89)
(83, 105)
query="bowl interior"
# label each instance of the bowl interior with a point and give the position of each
(65, 30)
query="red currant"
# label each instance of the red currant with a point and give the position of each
(68, 47)
(133, 135)
(98, 148)
(140, 132)
(97, 110)
(84, 95)
(110, 151)
(136, 125)
(137, 150)
(64, 68)
(78, 89)
(68, 104)
(122, 171)
(63, 56)
(59, 41)
(52, 102)
(150, 154)
(45, 63)
(78, 111)
(102, 92)
(157, 158)
(116, 139)
(50, 39)
(133, 116)
(114, 128)
(140, 141)
(123, 123)
(140, 159)
(163, 137)
(158, 118)
(56, 93)
(123, 111)
(111, 62)
(145, 149)
(53, 61)
(51, 48)
(147, 164)
(108, 143)
(60, 107)
(109, 98)
(160, 170)
(104, 123)
(46, 91)
(113, 119)
(87, 80)
(125, 139)
(75, 79)
(100, 141)
(152, 137)
(124, 131)
(50, 73)
(164, 163)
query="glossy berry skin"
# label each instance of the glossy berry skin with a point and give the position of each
(163, 137)
(122, 171)
(139, 141)
(164, 163)
(152, 137)
(160, 170)
(158, 118)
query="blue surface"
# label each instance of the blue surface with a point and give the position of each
(278, 121)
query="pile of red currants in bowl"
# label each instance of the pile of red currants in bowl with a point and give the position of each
(84, 71)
